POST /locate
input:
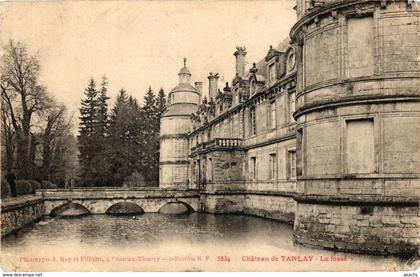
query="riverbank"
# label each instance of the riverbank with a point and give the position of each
(20, 211)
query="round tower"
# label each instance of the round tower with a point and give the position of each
(174, 128)
(358, 103)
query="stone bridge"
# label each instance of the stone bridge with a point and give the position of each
(101, 200)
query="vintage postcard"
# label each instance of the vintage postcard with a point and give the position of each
(210, 136)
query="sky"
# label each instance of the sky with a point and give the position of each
(138, 44)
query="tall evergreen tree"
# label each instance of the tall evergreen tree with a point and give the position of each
(102, 113)
(161, 102)
(88, 133)
(161, 105)
(149, 106)
(114, 146)
(151, 153)
(118, 140)
(101, 134)
(136, 135)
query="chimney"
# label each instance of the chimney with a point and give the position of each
(199, 87)
(213, 85)
(240, 61)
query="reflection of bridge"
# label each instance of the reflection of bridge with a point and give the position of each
(101, 200)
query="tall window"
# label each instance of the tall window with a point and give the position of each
(236, 126)
(210, 170)
(194, 172)
(273, 167)
(361, 46)
(360, 146)
(300, 143)
(252, 121)
(272, 115)
(292, 164)
(253, 168)
(177, 177)
(272, 74)
(292, 106)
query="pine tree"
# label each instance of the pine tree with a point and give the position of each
(136, 136)
(151, 153)
(87, 132)
(101, 134)
(160, 107)
(118, 140)
(161, 102)
(149, 106)
(102, 114)
(113, 147)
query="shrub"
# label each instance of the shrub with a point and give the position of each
(134, 180)
(23, 187)
(5, 188)
(35, 185)
(48, 185)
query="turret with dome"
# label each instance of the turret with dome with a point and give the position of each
(175, 126)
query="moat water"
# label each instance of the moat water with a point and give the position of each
(156, 242)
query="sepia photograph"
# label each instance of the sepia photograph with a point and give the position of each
(210, 136)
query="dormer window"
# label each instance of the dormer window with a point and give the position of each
(275, 65)
(236, 97)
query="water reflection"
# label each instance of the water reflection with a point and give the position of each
(165, 235)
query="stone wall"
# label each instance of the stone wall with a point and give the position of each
(227, 166)
(18, 212)
(280, 207)
(359, 228)
(224, 203)
(268, 205)
(320, 66)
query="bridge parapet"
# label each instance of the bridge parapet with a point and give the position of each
(115, 193)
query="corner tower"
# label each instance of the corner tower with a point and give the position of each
(358, 124)
(175, 125)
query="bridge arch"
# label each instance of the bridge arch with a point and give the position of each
(176, 207)
(70, 209)
(124, 208)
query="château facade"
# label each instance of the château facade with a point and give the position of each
(323, 132)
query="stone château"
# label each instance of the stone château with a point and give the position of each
(323, 132)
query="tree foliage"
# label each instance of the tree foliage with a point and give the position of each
(33, 123)
(129, 141)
